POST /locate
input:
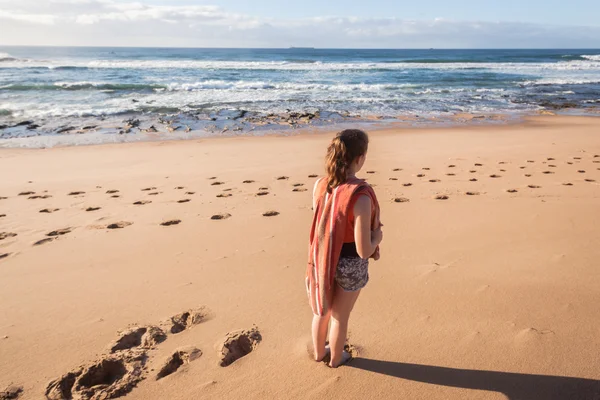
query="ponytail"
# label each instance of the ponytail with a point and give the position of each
(344, 149)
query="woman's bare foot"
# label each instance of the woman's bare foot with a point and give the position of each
(345, 358)
(325, 356)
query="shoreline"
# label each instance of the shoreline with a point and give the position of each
(134, 130)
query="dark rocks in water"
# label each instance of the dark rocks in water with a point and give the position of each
(33, 126)
(3, 127)
(135, 101)
(152, 129)
(132, 122)
(22, 123)
(557, 106)
(87, 128)
(65, 129)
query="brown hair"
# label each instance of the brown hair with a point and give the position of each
(345, 147)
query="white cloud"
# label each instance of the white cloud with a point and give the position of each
(135, 23)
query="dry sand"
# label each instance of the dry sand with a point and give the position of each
(492, 295)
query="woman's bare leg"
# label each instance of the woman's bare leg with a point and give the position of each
(319, 335)
(343, 302)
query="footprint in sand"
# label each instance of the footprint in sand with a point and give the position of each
(473, 180)
(3, 198)
(512, 190)
(248, 181)
(522, 167)
(533, 186)
(581, 171)
(298, 184)
(502, 170)
(145, 337)
(590, 180)
(153, 194)
(45, 196)
(441, 197)
(177, 359)
(141, 202)
(187, 319)
(530, 161)
(11, 392)
(450, 174)
(115, 196)
(426, 168)
(59, 232)
(528, 175)
(270, 214)
(569, 162)
(472, 193)
(238, 344)
(420, 175)
(49, 210)
(393, 179)
(2, 215)
(547, 172)
(4, 255)
(119, 225)
(6, 235)
(408, 184)
(434, 180)
(550, 159)
(109, 377)
(567, 184)
(397, 169)
(190, 193)
(44, 241)
(227, 190)
(171, 222)
(451, 166)
(313, 176)
(92, 209)
(212, 178)
(282, 178)
(576, 158)
(551, 166)
(502, 162)
(300, 189)
(148, 189)
(401, 200)
(112, 191)
(179, 188)
(223, 195)
(262, 193)
(26, 193)
(472, 171)
(220, 216)
(478, 165)
(217, 183)
(76, 193)
(495, 176)
(184, 201)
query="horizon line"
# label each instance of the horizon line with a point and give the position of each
(305, 47)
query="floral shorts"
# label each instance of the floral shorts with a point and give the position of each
(352, 273)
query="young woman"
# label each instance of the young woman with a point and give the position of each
(345, 233)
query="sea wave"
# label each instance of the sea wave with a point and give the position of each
(561, 81)
(82, 86)
(589, 64)
(5, 57)
(595, 57)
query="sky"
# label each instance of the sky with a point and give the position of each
(310, 23)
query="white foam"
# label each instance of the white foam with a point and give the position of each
(592, 57)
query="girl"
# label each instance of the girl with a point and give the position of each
(345, 233)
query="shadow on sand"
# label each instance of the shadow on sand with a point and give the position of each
(514, 386)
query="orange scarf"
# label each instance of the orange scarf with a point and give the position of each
(327, 237)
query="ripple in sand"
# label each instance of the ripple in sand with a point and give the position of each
(6, 235)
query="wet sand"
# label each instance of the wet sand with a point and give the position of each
(185, 261)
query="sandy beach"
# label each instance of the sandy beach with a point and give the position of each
(487, 287)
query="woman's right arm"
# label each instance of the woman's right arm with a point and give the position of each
(366, 240)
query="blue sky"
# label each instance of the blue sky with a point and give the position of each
(315, 23)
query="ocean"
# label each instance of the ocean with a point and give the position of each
(49, 94)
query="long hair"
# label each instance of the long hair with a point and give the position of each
(345, 147)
